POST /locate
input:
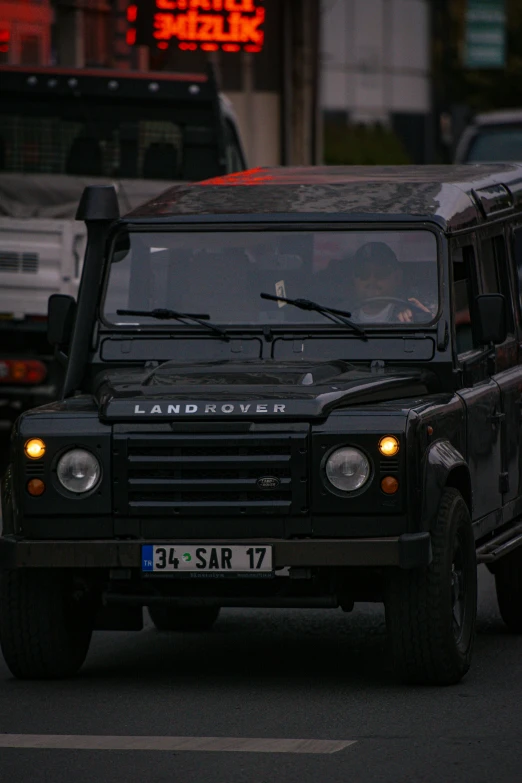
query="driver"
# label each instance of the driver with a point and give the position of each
(378, 282)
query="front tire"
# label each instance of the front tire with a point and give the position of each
(431, 612)
(181, 618)
(44, 632)
(508, 582)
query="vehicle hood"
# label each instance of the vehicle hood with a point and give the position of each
(239, 390)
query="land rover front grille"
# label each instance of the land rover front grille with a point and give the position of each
(211, 475)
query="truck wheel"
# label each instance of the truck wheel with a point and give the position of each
(431, 612)
(44, 632)
(180, 618)
(508, 581)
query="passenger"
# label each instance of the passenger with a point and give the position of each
(379, 287)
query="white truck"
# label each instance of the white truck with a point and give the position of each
(60, 130)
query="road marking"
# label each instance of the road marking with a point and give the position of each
(228, 744)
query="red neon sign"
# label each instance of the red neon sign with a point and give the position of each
(230, 25)
(5, 37)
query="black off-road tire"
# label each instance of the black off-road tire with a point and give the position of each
(428, 646)
(180, 618)
(508, 581)
(44, 633)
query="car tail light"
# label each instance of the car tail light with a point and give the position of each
(24, 371)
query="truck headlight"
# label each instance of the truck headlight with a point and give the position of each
(347, 469)
(78, 471)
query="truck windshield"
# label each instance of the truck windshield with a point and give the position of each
(380, 277)
(101, 138)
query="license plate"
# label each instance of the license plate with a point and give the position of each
(206, 558)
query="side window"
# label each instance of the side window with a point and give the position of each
(517, 254)
(463, 292)
(494, 274)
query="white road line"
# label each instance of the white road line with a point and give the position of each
(228, 744)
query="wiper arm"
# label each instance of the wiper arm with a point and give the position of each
(337, 316)
(163, 314)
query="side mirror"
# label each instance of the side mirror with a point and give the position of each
(61, 311)
(491, 319)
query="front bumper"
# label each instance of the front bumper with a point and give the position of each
(410, 550)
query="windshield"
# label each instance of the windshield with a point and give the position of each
(101, 138)
(380, 277)
(497, 144)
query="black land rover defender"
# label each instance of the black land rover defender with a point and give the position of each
(283, 388)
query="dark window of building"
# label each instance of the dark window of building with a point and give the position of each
(267, 63)
(30, 49)
(96, 36)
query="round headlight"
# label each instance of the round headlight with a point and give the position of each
(347, 469)
(78, 471)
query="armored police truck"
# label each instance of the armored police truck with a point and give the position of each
(283, 388)
(64, 128)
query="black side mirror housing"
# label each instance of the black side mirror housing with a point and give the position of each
(491, 320)
(61, 310)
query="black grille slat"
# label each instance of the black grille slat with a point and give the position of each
(211, 474)
(188, 474)
(389, 466)
(277, 460)
(205, 485)
(208, 500)
(30, 263)
(9, 262)
(27, 263)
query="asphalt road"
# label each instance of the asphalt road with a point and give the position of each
(305, 675)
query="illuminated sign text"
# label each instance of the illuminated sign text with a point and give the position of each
(230, 25)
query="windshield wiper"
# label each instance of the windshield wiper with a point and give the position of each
(337, 316)
(163, 314)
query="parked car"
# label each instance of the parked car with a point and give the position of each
(494, 136)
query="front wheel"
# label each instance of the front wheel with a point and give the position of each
(431, 612)
(45, 627)
(182, 618)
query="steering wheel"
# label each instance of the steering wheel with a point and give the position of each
(396, 300)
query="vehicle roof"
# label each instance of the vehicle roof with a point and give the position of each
(61, 82)
(109, 73)
(455, 196)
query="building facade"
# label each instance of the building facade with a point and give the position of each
(369, 65)
(25, 32)
(375, 67)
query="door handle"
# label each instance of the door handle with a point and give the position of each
(496, 417)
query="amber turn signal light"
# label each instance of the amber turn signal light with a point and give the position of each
(389, 446)
(35, 487)
(34, 448)
(389, 485)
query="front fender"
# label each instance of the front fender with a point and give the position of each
(442, 466)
